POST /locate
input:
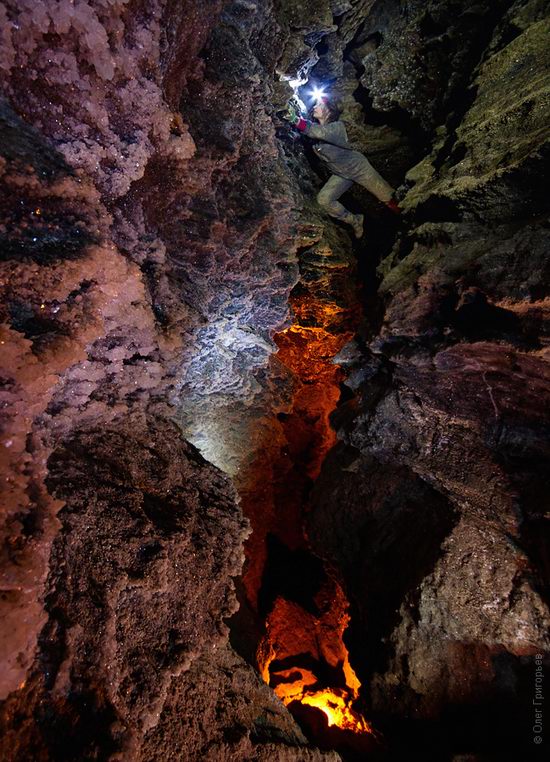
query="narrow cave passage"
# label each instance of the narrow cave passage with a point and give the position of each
(298, 601)
(192, 349)
(294, 612)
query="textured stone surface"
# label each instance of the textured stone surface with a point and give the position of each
(415, 55)
(148, 250)
(138, 587)
(152, 211)
(225, 711)
(182, 207)
(89, 76)
(435, 505)
(64, 291)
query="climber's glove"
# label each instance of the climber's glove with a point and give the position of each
(290, 115)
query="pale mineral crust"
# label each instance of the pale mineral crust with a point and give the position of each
(137, 282)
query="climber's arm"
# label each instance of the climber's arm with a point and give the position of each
(312, 130)
(295, 119)
(334, 133)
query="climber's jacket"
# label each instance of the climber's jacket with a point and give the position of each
(334, 148)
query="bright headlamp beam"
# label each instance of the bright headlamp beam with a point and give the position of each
(318, 93)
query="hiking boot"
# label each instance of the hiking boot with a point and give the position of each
(356, 221)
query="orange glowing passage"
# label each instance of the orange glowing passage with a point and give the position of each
(295, 634)
(337, 709)
(307, 348)
(302, 655)
(273, 486)
(334, 702)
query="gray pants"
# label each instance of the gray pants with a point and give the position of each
(335, 186)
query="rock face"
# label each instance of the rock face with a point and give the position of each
(138, 282)
(153, 209)
(435, 503)
(139, 585)
(242, 719)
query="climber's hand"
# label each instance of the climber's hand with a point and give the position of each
(290, 114)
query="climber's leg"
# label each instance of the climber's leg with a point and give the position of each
(330, 193)
(370, 179)
(328, 198)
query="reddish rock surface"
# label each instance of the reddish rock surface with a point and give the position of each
(147, 254)
(133, 661)
(138, 586)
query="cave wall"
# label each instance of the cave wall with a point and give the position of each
(149, 231)
(152, 211)
(435, 502)
(133, 661)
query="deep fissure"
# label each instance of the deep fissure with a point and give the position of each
(308, 667)
(271, 492)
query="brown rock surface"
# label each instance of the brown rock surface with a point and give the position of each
(148, 250)
(435, 505)
(225, 711)
(152, 210)
(138, 587)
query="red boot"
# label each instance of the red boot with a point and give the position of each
(394, 206)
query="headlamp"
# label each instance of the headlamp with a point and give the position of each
(318, 94)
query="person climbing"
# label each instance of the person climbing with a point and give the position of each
(346, 164)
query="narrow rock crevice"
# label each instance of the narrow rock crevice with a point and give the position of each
(267, 492)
